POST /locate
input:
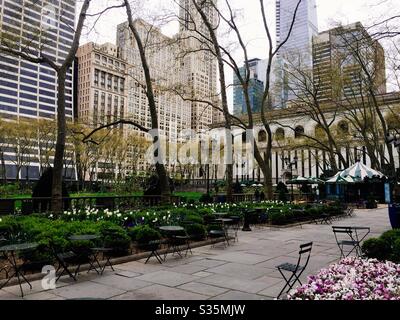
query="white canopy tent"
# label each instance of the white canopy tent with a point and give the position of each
(356, 173)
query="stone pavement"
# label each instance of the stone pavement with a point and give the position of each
(243, 271)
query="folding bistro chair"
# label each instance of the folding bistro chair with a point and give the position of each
(153, 246)
(65, 260)
(352, 240)
(217, 230)
(233, 228)
(295, 269)
(183, 240)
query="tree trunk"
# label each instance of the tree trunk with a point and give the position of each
(3, 167)
(160, 168)
(56, 201)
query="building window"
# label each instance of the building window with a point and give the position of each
(103, 79)
(280, 134)
(109, 82)
(96, 77)
(116, 83)
(343, 127)
(299, 132)
(262, 136)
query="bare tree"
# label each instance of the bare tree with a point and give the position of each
(307, 89)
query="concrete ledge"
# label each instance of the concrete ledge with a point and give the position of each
(115, 261)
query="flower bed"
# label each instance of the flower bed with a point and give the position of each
(277, 212)
(352, 279)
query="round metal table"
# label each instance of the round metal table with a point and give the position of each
(90, 255)
(171, 232)
(220, 214)
(172, 228)
(9, 251)
(83, 237)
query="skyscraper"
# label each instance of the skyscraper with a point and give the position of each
(201, 64)
(256, 87)
(339, 57)
(298, 49)
(304, 28)
(28, 89)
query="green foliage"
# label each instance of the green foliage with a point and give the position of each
(116, 238)
(195, 218)
(9, 189)
(206, 198)
(376, 248)
(144, 234)
(386, 247)
(196, 231)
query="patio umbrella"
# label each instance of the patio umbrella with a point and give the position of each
(299, 180)
(316, 180)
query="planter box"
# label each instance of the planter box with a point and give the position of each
(394, 215)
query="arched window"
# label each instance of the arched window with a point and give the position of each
(280, 134)
(244, 139)
(299, 132)
(319, 131)
(343, 127)
(262, 136)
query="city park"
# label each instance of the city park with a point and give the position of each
(106, 238)
(149, 238)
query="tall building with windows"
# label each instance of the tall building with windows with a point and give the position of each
(28, 91)
(341, 57)
(201, 65)
(167, 71)
(102, 96)
(297, 50)
(256, 87)
(304, 28)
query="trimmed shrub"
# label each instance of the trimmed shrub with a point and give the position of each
(376, 248)
(195, 218)
(386, 247)
(196, 231)
(144, 234)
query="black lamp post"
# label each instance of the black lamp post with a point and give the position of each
(290, 164)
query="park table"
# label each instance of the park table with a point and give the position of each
(10, 253)
(92, 255)
(220, 214)
(171, 232)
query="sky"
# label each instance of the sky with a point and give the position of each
(330, 13)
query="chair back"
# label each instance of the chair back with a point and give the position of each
(339, 230)
(304, 254)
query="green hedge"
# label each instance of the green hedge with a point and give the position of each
(386, 247)
(54, 233)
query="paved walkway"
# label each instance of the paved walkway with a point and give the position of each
(245, 270)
